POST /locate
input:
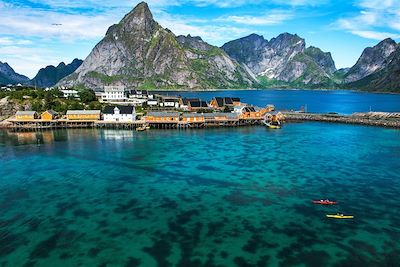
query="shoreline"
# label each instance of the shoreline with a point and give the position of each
(273, 89)
(376, 119)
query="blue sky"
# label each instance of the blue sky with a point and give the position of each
(30, 41)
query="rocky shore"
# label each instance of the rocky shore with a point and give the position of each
(381, 119)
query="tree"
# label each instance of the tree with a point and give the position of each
(87, 96)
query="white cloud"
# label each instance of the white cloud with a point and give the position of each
(214, 33)
(40, 23)
(376, 20)
(272, 18)
(376, 35)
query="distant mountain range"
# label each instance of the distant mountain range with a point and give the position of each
(138, 53)
(9, 76)
(46, 77)
(51, 75)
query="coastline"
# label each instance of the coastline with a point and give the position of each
(377, 119)
(273, 89)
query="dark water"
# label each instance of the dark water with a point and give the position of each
(219, 197)
(344, 102)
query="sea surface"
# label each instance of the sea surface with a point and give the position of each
(340, 101)
(216, 197)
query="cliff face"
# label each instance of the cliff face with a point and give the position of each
(138, 52)
(284, 58)
(51, 75)
(9, 76)
(387, 78)
(372, 59)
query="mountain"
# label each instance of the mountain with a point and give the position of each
(138, 52)
(372, 59)
(387, 78)
(51, 75)
(9, 76)
(283, 60)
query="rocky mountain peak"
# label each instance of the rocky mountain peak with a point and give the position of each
(194, 42)
(287, 40)
(371, 60)
(139, 20)
(139, 53)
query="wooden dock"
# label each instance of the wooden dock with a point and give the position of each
(38, 125)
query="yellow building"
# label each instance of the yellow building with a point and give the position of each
(48, 115)
(193, 117)
(26, 115)
(88, 115)
(163, 117)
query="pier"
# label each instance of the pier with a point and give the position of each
(38, 125)
(381, 119)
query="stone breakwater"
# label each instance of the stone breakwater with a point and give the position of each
(382, 119)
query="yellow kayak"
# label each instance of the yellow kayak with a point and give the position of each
(272, 126)
(339, 216)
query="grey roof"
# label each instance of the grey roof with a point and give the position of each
(83, 112)
(25, 113)
(164, 114)
(192, 115)
(122, 109)
(226, 114)
(221, 114)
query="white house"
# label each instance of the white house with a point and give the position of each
(114, 94)
(70, 93)
(119, 114)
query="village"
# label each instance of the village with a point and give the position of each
(142, 110)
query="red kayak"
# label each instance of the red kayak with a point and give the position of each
(324, 202)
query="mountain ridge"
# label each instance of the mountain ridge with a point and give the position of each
(138, 52)
(9, 76)
(51, 75)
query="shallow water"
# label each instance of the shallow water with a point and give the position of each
(340, 101)
(218, 197)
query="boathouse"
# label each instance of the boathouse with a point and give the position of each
(223, 102)
(162, 117)
(250, 112)
(90, 115)
(26, 115)
(225, 116)
(193, 117)
(184, 102)
(48, 115)
(119, 114)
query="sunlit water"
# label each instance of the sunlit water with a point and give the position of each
(218, 197)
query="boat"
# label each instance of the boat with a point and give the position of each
(141, 129)
(324, 202)
(339, 216)
(273, 126)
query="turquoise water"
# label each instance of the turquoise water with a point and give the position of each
(340, 101)
(218, 197)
